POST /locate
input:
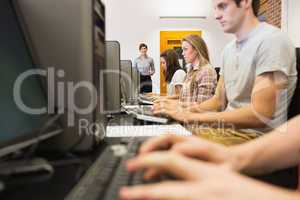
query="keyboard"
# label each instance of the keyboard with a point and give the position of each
(145, 113)
(144, 99)
(108, 174)
(114, 131)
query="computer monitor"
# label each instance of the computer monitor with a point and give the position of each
(22, 123)
(112, 78)
(126, 81)
(69, 38)
(135, 76)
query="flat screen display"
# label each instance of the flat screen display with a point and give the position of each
(15, 59)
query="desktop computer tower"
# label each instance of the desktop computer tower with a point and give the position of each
(68, 41)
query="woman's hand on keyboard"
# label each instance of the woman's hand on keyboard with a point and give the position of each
(173, 110)
(197, 180)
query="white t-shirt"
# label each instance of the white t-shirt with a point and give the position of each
(264, 49)
(177, 79)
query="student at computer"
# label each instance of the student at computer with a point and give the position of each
(211, 171)
(258, 78)
(201, 79)
(173, 73)
(145, 66)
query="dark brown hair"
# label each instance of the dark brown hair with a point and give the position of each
(172, 63)
(143, 45)
(255, 5)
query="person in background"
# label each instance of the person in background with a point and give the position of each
(145, 66)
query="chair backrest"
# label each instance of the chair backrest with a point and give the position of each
(218, 72)
(294, 108)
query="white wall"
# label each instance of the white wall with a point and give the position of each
(134, 21)
(291, 10)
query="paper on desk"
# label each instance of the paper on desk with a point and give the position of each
(147, 130)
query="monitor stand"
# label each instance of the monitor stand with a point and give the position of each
(34, 166)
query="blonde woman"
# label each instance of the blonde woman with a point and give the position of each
(201, 80)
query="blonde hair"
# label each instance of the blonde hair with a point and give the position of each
(200, 46)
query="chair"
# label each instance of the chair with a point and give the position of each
(294, 108)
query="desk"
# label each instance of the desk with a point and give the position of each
(66, 177)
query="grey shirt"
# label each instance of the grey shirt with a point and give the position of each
(264, 49)
(144, 66)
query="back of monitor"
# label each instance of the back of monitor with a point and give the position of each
(135, 77)
(112, 97)
(126, 81)
(62, 36)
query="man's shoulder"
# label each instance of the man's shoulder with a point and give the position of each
(275, 38)
(272, 35)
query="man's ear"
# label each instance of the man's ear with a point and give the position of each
(246, 3)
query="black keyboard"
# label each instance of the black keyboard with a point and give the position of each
(108, 174)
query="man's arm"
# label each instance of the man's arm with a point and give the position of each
(256, 115)
(277, 150)
(216, 103)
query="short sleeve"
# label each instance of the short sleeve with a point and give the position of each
(178, 77)
(276, 53)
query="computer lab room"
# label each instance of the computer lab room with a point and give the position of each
(140, 100)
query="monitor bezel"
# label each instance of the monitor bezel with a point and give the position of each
(36, 136)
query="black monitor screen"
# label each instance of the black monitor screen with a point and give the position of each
(15, 59)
